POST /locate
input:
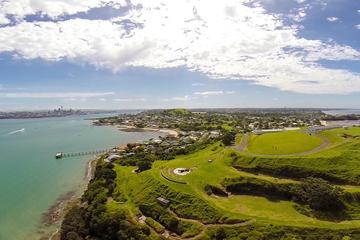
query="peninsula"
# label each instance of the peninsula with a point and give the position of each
(225, 175)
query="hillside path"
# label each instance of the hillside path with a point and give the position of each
(206, 226)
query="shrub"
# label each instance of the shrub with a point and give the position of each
(320, 195)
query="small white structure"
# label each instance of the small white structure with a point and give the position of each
(182, 171)
(163, 201)
(112, 158)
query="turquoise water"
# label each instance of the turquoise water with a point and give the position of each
(31, 179)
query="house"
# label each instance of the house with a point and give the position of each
(163, 201)
(214, 134)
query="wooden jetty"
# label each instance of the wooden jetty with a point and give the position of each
(79, 154)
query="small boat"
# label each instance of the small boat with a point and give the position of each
(59, 155)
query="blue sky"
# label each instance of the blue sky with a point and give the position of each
(161, 54)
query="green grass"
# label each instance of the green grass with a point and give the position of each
(190, 200)
(155, 225)
(340, 160)
(264, 210)
(286, 142)
(238, 138)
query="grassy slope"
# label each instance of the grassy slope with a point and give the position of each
(264, 210)
(341, 159)
(238, 139)
(137, 188)
(286, 142)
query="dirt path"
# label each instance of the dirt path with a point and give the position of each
(207, 226)
(244, 142)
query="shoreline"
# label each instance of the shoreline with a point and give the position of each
(55, 214)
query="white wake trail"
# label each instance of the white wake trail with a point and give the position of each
(17, 131)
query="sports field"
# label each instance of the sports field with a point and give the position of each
(287, 142)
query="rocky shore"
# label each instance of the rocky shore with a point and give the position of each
(54, 215)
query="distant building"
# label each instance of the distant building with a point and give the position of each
(262, 131)
(112, 158)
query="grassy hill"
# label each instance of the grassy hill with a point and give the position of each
(236, 195)
(286, 142)
(190, 201)
(178, 112)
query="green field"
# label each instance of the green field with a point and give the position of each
(194, 208)
(287, 142)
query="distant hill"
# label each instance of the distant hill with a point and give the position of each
(178, 112)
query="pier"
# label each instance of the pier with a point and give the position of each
(79, 154)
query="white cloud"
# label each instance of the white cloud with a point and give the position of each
(129, 99)
(332, 19)
(357, 26)
(223, 39)
(181, 99)
(53, 9)
(197, 84)
(67, 95)
(209, 93)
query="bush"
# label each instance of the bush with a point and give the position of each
(155, 225)
(244, 185)
(144, 165)
(210, 189)
(320, 195)
(74, 226)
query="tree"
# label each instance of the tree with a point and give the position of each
(228, 138)
(320, 195)
(144, 165)
(74, 225)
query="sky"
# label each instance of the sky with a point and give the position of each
(133, 54)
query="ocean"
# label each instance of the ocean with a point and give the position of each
(32, 180)
(342, 111)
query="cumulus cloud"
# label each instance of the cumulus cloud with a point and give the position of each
(332, 19)
(67, 95)
(223, 39)
(357, 26)
(50, 8)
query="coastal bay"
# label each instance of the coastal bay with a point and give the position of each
(32, 181)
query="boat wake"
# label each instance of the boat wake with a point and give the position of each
(17, 131)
